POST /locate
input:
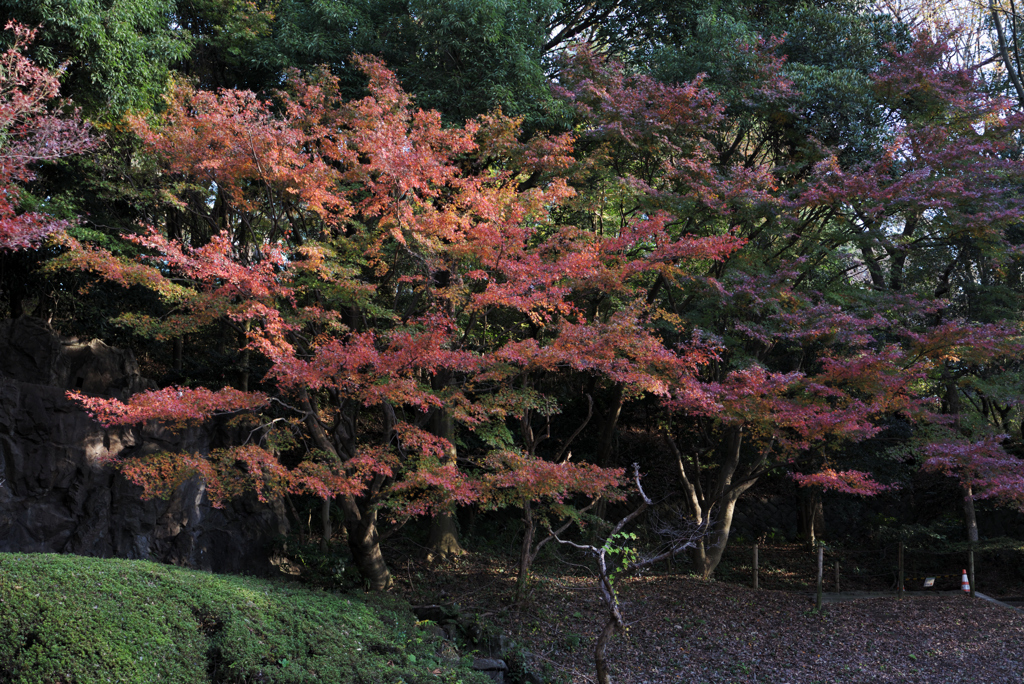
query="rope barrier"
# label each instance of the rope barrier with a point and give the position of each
(950, 548)
(892, 558)
(957, 574)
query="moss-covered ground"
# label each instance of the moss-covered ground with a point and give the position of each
(68, 619)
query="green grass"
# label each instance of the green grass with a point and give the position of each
(68, 619)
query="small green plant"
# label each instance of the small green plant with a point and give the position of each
(571, 641)
(742, 667)
(621, 552)
(329, 569)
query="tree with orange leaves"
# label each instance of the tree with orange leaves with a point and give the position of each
(389, 290)
(31, 133)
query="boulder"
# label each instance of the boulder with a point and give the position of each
(434, 612)
(499, 646)
(492, 667)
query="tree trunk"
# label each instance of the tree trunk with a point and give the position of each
(178, 353)
(525, 553)
(953, 408)
(364, 543)
(325, 521)
(1008, 62)
(812, 514)
(970, 518)
(714, 507)
(243, 382)
(700, 557)
(444, 538)
(606, 441)
(363, 538)
(709, 556)
(952, 397)
(611, 421)
(603, 677)
(444, 534)
(245, 359)
(298, 519)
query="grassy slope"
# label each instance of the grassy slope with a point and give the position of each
(71, 619)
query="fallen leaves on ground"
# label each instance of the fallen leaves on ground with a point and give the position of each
(688, 630)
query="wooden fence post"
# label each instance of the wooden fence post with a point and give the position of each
(821, 554)
(970, 568)
(899, 587)
(755, 566)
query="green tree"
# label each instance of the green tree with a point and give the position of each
(460, 57)
(118, 55)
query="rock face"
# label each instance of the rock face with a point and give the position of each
(58, 497)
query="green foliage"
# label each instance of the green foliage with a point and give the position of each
(495, 435)
(118, 54)
(621, 549)
(461, 57)
(830, 48)
(938, 533)
(225, 35)
(72, 619)
(328, 570)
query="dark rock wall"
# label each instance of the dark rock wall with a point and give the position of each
(58, 496)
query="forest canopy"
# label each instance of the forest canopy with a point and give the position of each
(438, 255)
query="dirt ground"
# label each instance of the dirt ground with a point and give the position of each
(683, 629)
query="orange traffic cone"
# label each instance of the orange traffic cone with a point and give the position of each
(964, 584)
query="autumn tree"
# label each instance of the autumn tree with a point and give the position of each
(32, 132)
(782, 247)
(935, 217)
(934, 206)
(364, 266)
(652, 148)
(571, 330)
(789, 311)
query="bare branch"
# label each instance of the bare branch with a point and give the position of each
(680, 540)
(590, 412)
(560, 530)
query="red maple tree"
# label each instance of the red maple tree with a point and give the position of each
(368, 266)
(794, 369)
(405, 281)
(31, 132)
